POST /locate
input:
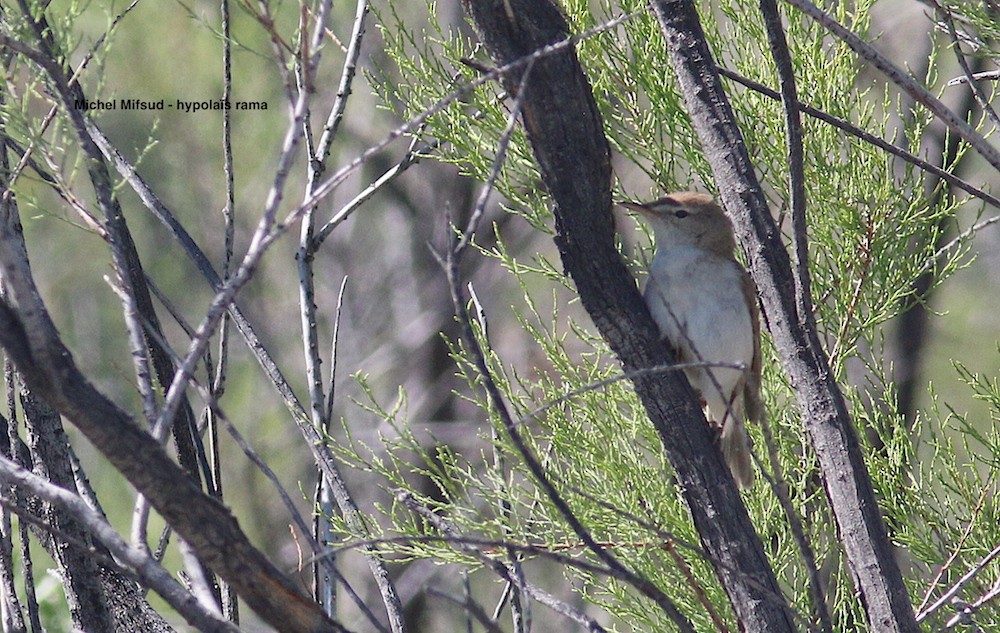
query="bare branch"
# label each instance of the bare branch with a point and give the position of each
(47, 367)
(977, 90)
(346, 80)
(148, 570)
(414, 153)
(991, 75)
(824, 411)
(956, 550)
(954, 589)
(565, 129)
(899, 77)
(796, 169)
(314, 439)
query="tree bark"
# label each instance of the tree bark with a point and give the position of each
(824, 411)
(566, 134)
(79, 572)
(47, 368)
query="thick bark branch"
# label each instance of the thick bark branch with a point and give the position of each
(203, 522)
(32, 343)
(567, 136)
(824, 411)
(80, 573)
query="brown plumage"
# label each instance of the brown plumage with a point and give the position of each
(705, 304)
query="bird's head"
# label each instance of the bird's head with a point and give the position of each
(688, 218)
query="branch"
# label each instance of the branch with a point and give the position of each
(954, 589)
(800, 240)
(796, 169)
(137, 303)
(853, 130)
(956, 45)
(899, 77)
(824, 411)
(313, 437)
(202, 521)
(566, 133)
(46, 366)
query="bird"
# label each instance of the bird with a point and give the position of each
(704, 304)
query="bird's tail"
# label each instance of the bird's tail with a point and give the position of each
(735, 444)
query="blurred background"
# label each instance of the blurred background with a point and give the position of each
(397, 315)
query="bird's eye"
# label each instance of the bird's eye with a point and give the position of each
(681, 213)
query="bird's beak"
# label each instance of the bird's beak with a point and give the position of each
(635, 206)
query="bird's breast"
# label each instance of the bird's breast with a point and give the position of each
(697, 301)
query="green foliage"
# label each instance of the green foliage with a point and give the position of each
(873, 231)
(975, 24)
(944, 512)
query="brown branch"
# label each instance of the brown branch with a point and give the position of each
(853, 130)
(203, 522)
(567, 137)
(80, 573)
(824, 411)
(902, 79)
(46, 366)
(136, 299)
(133, 559)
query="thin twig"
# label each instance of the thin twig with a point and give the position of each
(803, 287)
(278, 44)
(967, 610)
(958, 239)
(148, 570)
(346, 80)
(230, 601)
(27, 567)
(627, 375)
(450, 265)
(334, 348)
(855, 131)
(412, 157)
(796, 167)
(992, 75)
(779, 486)
(957, 549)
(899, 77)
(520, 614)
(696, 587)
(981, 98)
(498, 163)
(954, 589)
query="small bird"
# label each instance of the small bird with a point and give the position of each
(704, 303)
